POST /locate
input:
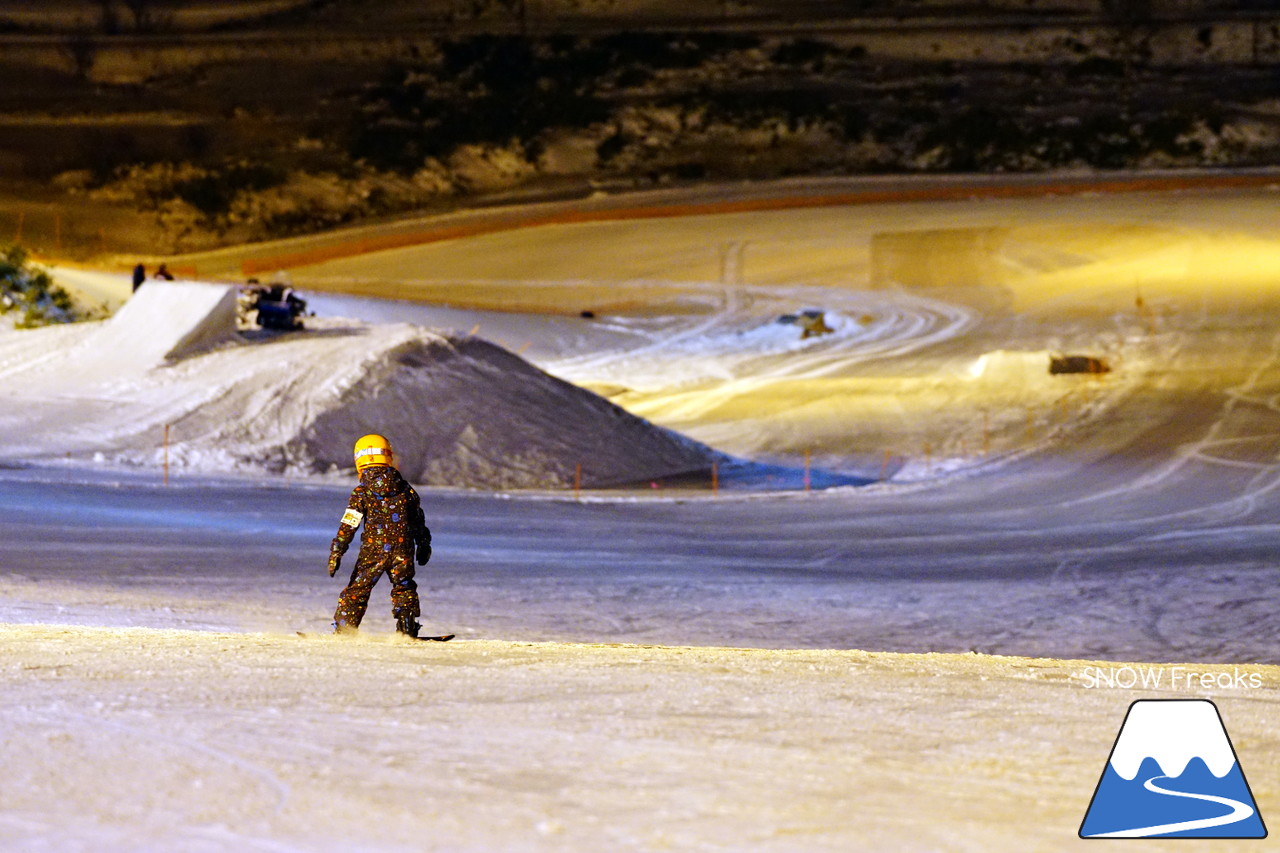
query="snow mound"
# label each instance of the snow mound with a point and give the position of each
(463, 411)
(165, 321)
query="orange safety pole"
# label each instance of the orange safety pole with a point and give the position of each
(715, 478)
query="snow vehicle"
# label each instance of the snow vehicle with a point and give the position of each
(272, 306)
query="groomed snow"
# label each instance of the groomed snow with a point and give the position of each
(136, 739)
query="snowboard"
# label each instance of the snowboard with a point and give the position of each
(439, 638)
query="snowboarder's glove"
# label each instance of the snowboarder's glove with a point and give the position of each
(334, 561)
(424, 554)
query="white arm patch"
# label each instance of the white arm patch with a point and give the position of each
(351, 518)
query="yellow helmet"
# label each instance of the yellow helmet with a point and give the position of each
(373, 450)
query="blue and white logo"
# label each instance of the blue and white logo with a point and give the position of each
(1173, 774)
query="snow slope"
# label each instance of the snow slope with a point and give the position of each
(684, 333)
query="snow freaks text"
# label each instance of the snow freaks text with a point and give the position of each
(1167, 677)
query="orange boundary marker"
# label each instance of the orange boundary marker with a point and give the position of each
(959, 192)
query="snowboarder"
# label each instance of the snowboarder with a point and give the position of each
(394, 533)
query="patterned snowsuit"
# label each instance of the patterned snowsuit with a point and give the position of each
(394, 528)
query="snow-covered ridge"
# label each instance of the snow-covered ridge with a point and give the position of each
(1172, 732)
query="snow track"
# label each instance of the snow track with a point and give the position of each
(743, 340)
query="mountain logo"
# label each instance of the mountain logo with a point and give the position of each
(1173, 773)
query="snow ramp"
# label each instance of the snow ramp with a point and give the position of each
(164, 321)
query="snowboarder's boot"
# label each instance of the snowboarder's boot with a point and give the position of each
(408, 626)
(342, 628)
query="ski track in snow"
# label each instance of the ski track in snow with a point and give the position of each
(1217, 518)
(266, 779)
(743, 339)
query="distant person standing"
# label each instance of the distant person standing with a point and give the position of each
(139, 276)
(162, 272)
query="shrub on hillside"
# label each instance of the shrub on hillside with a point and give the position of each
(505, 90)
(210, 189)
(29, 290)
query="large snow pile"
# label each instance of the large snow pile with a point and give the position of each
(459, 410)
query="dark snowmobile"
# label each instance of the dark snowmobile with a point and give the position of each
(273, 306)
